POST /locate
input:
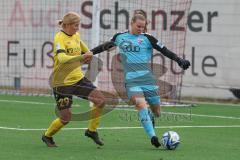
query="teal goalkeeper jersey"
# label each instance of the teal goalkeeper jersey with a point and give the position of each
(136, 53)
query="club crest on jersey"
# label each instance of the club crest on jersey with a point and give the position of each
(77, 41)
(140, 40)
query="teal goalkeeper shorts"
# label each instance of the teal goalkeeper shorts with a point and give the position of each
(150, 93)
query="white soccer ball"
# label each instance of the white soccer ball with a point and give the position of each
(170, 140)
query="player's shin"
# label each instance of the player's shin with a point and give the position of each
(146, 122)
(95, 115)
(54, 127)
(151, 117)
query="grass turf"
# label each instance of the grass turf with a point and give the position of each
(212, 133)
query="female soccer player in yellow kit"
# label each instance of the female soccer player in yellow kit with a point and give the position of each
(70, 52)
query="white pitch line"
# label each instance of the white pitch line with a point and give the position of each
(119, 128)
(30, 102)
(188, 114)
(25, 102)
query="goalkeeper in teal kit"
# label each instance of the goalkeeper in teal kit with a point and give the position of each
(136, 50)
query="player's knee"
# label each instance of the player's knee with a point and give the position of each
(138, 101)
(101, 102)
(64, 122)
(97, 98)
(141, 105)
(65, 118)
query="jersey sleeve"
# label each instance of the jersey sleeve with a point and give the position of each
(156, 44)
(114, 39)
(161, 48)
(59, 44)
(84, 47)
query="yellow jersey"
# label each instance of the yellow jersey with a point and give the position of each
(65, 74)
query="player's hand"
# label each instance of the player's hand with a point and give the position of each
(87, 57)
(184, 64)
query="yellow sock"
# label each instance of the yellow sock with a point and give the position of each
(94, 118)
(54, 127)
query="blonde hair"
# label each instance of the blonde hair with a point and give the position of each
(69, 18)
(140, 14)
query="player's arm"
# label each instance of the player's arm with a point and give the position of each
(63, 58)
(86, 52)
(103, 47)
(166, 52)
(106, 46)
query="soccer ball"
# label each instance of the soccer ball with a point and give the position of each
(170, 140)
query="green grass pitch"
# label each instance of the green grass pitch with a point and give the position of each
(207, 131)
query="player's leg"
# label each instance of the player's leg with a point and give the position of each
(154, 112)
(98, 103)
(64, 107)
(154, 103)
(156, 109)
(137, 98)
(88, 91)
(153, 99)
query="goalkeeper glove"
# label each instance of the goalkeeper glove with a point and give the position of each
(184, 64)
